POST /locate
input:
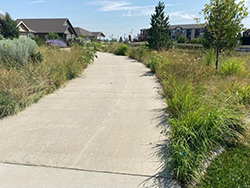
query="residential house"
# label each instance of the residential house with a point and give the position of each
(88, 34)
(42, 27)
(191, 31)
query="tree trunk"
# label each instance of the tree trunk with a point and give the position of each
(217, 57)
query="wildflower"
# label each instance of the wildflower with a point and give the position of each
(182, 153)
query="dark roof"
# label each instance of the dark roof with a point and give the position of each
(2, 16)
(98, 34)
(188, 26)
(46, 25)
(85, 33)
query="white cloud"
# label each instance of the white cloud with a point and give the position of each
(107, 6)
(1, 11)
(35, 2)
(181, 15)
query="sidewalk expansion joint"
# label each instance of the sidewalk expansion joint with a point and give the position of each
(76, 169)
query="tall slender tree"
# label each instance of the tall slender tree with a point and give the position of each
(8, 27)
(224, 19)
(158, 34)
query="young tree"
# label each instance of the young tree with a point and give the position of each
(8, 27)
(224, 24)
(158, 34)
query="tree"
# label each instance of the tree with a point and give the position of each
(158, 34)
(8, 27)
(52, 35)
(224, 25)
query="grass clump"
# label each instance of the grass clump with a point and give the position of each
(121, 49)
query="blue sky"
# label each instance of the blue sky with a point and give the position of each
(117, 18)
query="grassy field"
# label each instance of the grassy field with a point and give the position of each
(26, 84)
(207, 113)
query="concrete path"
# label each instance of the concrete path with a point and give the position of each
(98, 131)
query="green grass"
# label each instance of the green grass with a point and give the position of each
(230, 169)
(206, 110)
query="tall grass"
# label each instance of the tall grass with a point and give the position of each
(27, 84)
(206, 111)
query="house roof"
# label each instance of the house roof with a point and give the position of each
(85, 33)
(47, 25)
(98, 34)
(188, 26)
(25, 26)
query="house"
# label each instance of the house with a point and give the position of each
(87, 34)
(42, 27)
(191, 31)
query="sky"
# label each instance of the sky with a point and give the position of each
(113, 18)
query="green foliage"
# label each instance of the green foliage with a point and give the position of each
(181, 39)
(9, 28)
(230, 67)
(224, 24)
(53, 36)
(159, 31)
(156, 61)
(121, 49)
(39, 41)
(230, 169)
(17, 52)
(209, 57)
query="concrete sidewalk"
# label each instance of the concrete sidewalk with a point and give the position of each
(98, 131)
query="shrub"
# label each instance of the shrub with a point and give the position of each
(56, 42)
(181, 39)
(156, 61)
(17, 51)
(121, 49)
(209, 57)
(39, 41)
(53, 36)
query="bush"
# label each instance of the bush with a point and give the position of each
(121, 49)
(53, 36)
(209, 57)
(181, 39)
(39, 41)
(17, 51)
(56, 42)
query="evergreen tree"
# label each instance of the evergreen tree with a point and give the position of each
(224, 25)
(8, 27)
(159, 31)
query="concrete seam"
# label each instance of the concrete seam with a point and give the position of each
(76, 169)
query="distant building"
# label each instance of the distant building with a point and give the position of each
(191, 31)
(42, 27)
(88, 34)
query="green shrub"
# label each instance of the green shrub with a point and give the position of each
(181, 39)
(39, 41)
(52, 35)
(17, 51)
(7, 104)
(121, 49)
(156, 61)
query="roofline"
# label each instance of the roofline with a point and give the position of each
(30, 30)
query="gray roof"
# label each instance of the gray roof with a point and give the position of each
(85, 33)
(188, 26)
(47, 25)
(98, 34)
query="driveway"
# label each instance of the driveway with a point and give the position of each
(98, 131)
